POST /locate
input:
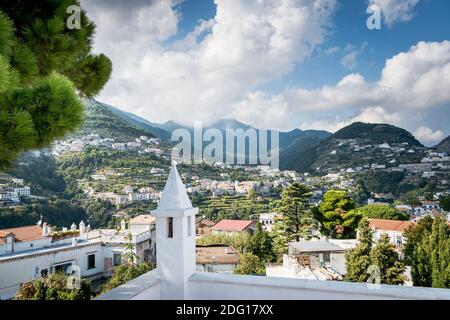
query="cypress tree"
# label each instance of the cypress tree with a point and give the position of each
(381, 255)
(440, 258)
(416, 251)
(261, 245)
(295, 208)
(358, 259)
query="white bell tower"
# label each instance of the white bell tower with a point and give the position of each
(175, 238)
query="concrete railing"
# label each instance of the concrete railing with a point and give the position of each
(214, 286)
(144, 287)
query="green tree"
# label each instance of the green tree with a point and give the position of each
(99, 212)
(336, 214)
(358, 259)
(252, 195)
(416, 251)
(381, 255)
(444, 203)
(295, 208)
(129, 256)
(279, 238)
(261, 245)
(53, 287)
(374, 211)
(440, 253)
(250, 264)
(384, 256)
(124, 273)
(44, 67)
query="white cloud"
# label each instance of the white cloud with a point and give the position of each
(214, 71)
(411, 83)
(395, 10)
(332, 51)
(349, 60)
(368, 115)
(200, 78)
(428, 136)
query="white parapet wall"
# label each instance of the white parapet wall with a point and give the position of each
(144, 287)
(240, 287)
(215, 286)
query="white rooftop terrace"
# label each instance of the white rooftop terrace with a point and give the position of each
(175, 276)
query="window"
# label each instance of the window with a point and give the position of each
(170, 227)
(326, 257)
(189, 226)
(117, 259)
(44, 272)
(91, 261)
(62, 268)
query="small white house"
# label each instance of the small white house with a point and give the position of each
(267, 220)
(393, 228)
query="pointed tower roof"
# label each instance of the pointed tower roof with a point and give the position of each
(174, 195)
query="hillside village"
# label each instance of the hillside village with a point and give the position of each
(124, 178)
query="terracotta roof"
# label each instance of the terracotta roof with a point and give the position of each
(390, 225)
(143, 219)
(232, 225)
(28, 233)
(221, 254)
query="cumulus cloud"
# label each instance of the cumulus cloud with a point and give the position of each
(201, 76)
(411, 83)
(375, 114)
(349, 60)
(216, 69)
(395, 10)
(429, 136)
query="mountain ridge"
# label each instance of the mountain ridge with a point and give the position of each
(444, 145)
(357, 144)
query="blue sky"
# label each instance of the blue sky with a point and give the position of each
(280, 64)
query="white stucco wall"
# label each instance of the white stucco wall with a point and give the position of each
(338, 262)
(214, 286)
(173, 255)
(15, 272)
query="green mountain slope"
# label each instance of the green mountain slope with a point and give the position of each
(141, 123)
(444, 145)
(357, 145)
(101, 120)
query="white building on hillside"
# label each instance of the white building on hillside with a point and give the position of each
(267, 220)
(30, 252)
(23, 191)
(175, 276)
